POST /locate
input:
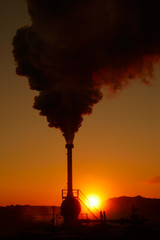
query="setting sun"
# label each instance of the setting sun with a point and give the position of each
(94, 201)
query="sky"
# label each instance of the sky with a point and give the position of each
(116, 150)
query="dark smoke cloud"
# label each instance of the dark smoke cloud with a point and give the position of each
(73, 48)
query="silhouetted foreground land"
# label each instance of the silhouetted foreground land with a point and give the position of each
(127, 218)
(87, 232)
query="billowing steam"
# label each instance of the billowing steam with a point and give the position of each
(75, 47)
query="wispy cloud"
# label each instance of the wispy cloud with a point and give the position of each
(154, 180)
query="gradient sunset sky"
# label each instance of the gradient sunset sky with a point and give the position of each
(117, 150)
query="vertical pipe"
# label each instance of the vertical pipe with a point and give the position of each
(69, 169)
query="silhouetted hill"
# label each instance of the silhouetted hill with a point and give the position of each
(123, 207)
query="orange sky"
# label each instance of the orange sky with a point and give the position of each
(116, 150)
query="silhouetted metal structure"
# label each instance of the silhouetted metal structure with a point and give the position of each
(70, 207)
(69, 168)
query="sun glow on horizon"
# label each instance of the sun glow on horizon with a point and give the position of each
(94, 201)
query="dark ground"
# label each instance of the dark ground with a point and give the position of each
(130, 219)
(99, 231)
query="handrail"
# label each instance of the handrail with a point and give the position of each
(93, 207)
(88, 209)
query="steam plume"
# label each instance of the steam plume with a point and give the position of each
(75, 47)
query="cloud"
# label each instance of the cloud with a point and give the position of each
(74, 48)
(154, 180)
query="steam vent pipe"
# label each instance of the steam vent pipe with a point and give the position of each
(70, 207)
(69, 168)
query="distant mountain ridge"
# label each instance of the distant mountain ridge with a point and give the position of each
(123, 207)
